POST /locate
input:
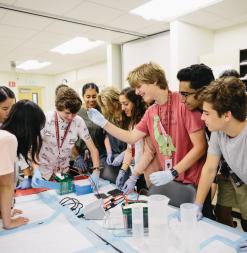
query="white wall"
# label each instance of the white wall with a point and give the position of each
(76, 78)
(187, 42)
(173, 50)
(21, 79)
(227, 43)
(155, 48)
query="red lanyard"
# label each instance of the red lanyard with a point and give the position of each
(168, 117)
(168, 114)
(57, 133)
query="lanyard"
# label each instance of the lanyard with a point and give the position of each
(168, 114)
(57, 133)
(165, 141)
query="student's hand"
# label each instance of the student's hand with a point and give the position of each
(96, 117)
(26, 183)
(120, 179)
(109, 158)
(243, 247)
(199, 214)
(14, 223)
(129, 185)
(36, 178)
(118, 159)
(161, 177)
(94, 178)
(15, 212)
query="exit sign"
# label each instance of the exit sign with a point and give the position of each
(12, 84)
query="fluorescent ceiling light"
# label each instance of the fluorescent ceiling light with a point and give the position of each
(76, 46)
(32, 64)
(167, 10)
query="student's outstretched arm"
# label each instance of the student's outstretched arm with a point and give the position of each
(130, 137)
(209, 171)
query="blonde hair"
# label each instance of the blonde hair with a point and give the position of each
(108, 100)
(148, 73)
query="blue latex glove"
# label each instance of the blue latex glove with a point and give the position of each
(129, 185)
(26, 183)
(109, 158)
(243, 247)
(96, 117)
(120, 179)
(36, 178)
(94, 178)
(199, 214)
(118, 159)
(161, 177)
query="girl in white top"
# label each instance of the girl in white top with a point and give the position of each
(19, 135)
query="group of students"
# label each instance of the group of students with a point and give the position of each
(175, 127)
(167, 134)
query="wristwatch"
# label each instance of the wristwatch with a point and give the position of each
(174, 173)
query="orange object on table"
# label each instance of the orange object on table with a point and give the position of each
(30, 191)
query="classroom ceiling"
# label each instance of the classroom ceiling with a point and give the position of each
(30, 28)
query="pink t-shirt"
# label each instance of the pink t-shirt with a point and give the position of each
(8, 144)
(182, 123)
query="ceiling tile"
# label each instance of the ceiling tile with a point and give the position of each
(14, 32)
(48, 40)
(222, 23)
(8, 1)
(202, 18)
(55, 6)
(161, 27)
(240, 18)
(2, 12)
(130, 22)
(125, 5)
(228, 8)
(104, 35)
(20, 55)
(93, 13)
(25, 20)
(124, 38)
(62, 27)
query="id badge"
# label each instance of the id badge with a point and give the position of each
(168, 164)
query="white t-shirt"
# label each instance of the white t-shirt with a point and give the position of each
(50, 159)
(8, 153)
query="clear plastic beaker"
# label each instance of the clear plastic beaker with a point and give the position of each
(157, 214)
(189, 228)
(137, 221)
(188, 213)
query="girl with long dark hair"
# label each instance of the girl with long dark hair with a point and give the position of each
(19, 135)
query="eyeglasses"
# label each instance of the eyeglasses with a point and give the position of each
(186, 94)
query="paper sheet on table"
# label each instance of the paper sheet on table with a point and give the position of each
(33, 208)
(218, 247)
(56, 236)
(211, 230)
